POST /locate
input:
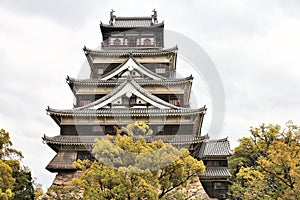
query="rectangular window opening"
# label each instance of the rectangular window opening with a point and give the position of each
(160, 70)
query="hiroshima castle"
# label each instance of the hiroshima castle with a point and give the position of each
(133, 78)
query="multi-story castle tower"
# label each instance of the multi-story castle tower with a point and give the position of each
(133, 78)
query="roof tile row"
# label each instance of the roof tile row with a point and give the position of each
(133, 52)
(215, 148)
(94, 81)
(83, 140)
(215, 172)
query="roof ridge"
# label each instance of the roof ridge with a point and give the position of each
(136, 50)
(219, 140)
(151, 25)
(97, 80)
(133, 17)
(70, 139)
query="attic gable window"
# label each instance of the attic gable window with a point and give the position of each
(160, 70)
(99, 70)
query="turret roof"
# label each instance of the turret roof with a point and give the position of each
(131, 51)
(95, 81)
(133, 22)
(126, 112)
(215, 148)
(88, 140)
(216, 172)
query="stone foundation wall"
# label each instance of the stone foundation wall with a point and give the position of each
(193, 188)
(65, 178)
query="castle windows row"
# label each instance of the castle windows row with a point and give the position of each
(134, 40)
(133, 101)
(102, 130)
(131, 42)
(101, 69)
(158, 70)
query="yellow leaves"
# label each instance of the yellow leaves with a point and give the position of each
(109, 137)
(82, 164)
(150, 132)
(136, 169)
(270, 159)
(6, 179)
(6, 195)
(250, 174)
(5, 147)
(137, 128)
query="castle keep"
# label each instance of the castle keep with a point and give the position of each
(133, 78)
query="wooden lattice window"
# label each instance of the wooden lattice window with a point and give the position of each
(173, 99)
(99, 70)
(160, 70)
(147, 42)
(213, 163)
(132, 41)
(220, 185)
(97, 128)
(83, 102)
(117, 42)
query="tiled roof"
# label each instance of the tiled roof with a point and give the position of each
(94, 81)
(133, 22)
(88, 110)
(62, 160)
(126, 112)
(220, 172)
(89, 140)
(133, 52)
(215, 148)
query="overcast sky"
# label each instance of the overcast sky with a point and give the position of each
(254, 45)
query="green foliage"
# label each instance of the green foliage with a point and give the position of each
(5, 147)
(15, 180)
(127, 169)
(267, 164)
(6, 181)
(23, 187)
(38, 190)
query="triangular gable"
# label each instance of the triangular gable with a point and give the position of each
(132, 65)
(128, 88)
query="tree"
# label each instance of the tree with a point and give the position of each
(38, 190)
(267, 164)
(23, 187)
(6, 152)
(6, 181)
(15, 180)
(137, 128)
(128, 169)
